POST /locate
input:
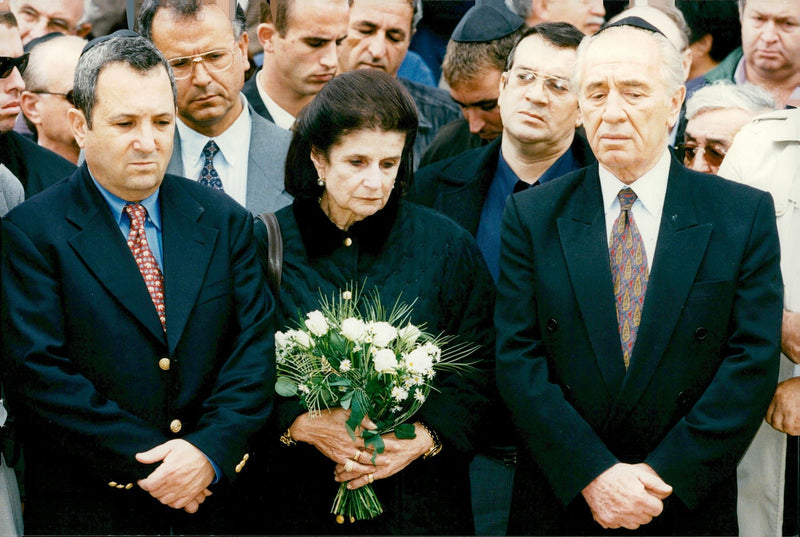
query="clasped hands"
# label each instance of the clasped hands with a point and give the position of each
(356, 463)
(626, 495)
(181, 480)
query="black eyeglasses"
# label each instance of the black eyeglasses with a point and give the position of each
(7, 64)
(68, 95)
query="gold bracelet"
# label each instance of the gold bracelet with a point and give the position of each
(287, 440)
(437, 445)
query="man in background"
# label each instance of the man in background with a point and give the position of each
(37, 18)
(585, 15)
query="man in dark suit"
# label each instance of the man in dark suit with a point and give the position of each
(34, 166)
(638, 316)
(538, 143)
(143, 367)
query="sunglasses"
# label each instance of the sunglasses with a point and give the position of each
(7, 64)
(712, 153)
(68, 95)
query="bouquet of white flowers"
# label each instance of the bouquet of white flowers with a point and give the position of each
(374, 362)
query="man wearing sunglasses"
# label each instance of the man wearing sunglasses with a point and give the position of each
(34, 166)
(207, 49)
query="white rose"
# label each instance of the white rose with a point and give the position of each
(409, 333)
(281, 341)
(353, 329)
(301, 338)
(384, 361)
(316, 323)
(418, 361)
(383, 333)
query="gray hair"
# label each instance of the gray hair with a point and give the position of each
(723, 94)
(136, 52)
(671, 62)
(184, 9)
(523, 8)
(37, 76)
(417, 5)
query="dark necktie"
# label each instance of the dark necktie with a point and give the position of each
(137, 242)
(629, 272)
(209, 175)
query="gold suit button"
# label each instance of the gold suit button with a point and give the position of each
(120, 486)
(246, 457)
(175, 426)
(348, 242)
(238, 468)
(112, 483)
(129, 486)
(164, 364)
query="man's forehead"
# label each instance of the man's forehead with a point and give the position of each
(536, 53)
(10, 43)
(71, 9)
(775, 8)
(395, 14)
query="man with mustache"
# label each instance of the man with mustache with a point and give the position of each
(301, 39)
(207, 49)
(770, 53)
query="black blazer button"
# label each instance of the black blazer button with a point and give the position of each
(552, 325)
(700, 334)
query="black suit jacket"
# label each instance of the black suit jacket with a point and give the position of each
(85, 346)
(458, 186)
(250, 91)
(704, 367)
(36, 167)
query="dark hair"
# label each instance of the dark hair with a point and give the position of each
(136, 52)
(720, 19)
(8, 19)
(185, 9)
(465, 62)
(358, 100)
(559, 34)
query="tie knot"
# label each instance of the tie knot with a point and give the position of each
(136, 212)
(626, 199)
(210, 150)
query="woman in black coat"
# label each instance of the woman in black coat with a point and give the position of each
(347, 165)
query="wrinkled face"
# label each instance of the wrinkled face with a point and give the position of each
(626, 106)
(41, 17)
(378, 37)
(709, 135)
(585, 15)
(130, 142)
(536, 103)
(478, 102)
(359, 173)
(208, 100)
(12, 85)
(771, 37)
(307, 56)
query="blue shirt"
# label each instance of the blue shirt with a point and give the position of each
(505, 183)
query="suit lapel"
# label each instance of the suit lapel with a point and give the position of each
(582, 232)
(681, 245)
(188, 246)
(265, 164)
(175, 166)
(103, 249)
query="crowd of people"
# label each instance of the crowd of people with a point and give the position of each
(606, 203)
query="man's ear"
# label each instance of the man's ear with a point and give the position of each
(676, 102)
(28, 102)
(265, 32)
(77, 121)
(83, 29)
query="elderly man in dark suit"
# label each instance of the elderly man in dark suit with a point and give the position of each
(143, 367)
(638, 316)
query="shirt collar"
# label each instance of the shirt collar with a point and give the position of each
(117, 204)
(740, 77)
(192, 142)
(650, 188)
(281, 117)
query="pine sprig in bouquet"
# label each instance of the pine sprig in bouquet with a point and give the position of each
(355, 354)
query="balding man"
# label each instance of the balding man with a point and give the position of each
(638, 316)
(41, 17)
(586, 15)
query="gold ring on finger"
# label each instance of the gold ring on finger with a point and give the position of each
(357, 457)
(371, 478)
(349, 465)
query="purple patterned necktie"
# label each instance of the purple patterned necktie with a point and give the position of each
(629, 272)
(137, 242)
(208, 175)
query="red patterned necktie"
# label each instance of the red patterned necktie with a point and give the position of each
(137, 242)
(629, 272)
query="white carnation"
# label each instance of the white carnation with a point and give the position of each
(316, 323)
(353, 329)
(385, 361)
(409, 333)
(418, 361)
(382, 333)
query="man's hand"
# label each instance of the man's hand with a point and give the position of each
(327, 432)
(790, 335)
(784, 410)
(626, 495)
(181, 480)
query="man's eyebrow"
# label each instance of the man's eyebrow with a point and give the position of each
(484, 102)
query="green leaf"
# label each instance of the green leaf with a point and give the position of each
(376, 441)
(357, 412)
(405, 431)
(285, 387)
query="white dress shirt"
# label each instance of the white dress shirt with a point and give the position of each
(650, 190)
(231, 160)
(281, 117)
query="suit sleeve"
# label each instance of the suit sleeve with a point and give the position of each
(34, 350)
(243, 395)
(566, 447)
(714, 434)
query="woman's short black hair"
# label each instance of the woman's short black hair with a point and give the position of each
(350, 102)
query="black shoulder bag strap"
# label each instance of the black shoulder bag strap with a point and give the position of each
(275, 253)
